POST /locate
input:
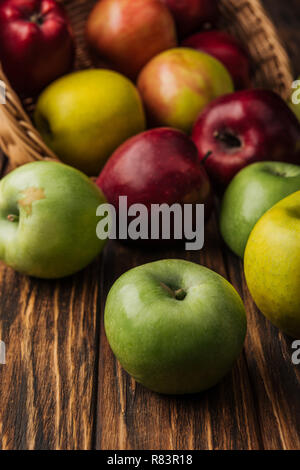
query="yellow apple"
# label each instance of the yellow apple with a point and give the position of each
(84, 116)
(272, 264)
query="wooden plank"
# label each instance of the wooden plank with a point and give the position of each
(272, 379)
(275, 380)
(48, 384)
(51, 329)
(131, 417)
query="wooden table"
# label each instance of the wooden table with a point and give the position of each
(63, 389)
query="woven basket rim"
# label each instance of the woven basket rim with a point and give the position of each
(21, 141)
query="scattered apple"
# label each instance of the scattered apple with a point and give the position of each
(36, 43)
(48, 220)
(85, 116)
(127, 34)
(242, 128)
(272, 264)
(252, 192)
(156, 167)
(190, 15)
(177, 85)
(296, 109)
(175, 326)
(227, 50)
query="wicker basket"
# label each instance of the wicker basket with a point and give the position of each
(246, 19)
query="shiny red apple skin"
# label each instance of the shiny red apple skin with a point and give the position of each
(227, 50)
(190, 15)
(127, 34)
(155, 167)
(36, 43)
(260, 125)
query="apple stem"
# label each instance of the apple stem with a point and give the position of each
(180, 294)
(12, 217)
(208, 154)
(37, 18)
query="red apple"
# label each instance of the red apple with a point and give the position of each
(36, 43)
(242, 128)
(190, 15)
(227, 50)
(127, 34)
(155, 167)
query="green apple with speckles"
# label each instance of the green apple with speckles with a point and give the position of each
(272, 264)
(48, 219)
(175, 326)
(252, 192)
(84, 116)
(177, 85)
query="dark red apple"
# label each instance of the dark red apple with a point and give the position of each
(190, 15)
(36, 43)
(155, 167)
(242, 128)
(227, 50)
(127, 34)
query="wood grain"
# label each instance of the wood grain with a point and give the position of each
(48, 384)
(63, 389)
(275, 380)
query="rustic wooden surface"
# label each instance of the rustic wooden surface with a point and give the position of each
(62, 388)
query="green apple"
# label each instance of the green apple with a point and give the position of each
(175, 326)
(252, 192)
(48, 219)
(295, 108)
(272, 264)
(177, 84)
(83, 117)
